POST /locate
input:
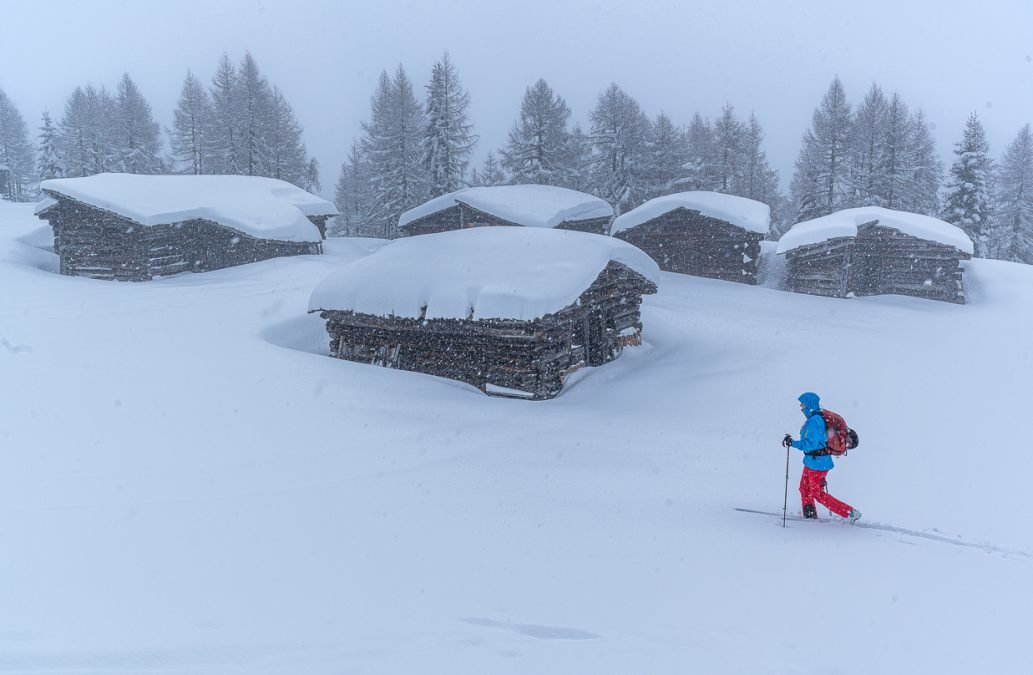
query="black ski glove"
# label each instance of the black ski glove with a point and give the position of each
(787, 441)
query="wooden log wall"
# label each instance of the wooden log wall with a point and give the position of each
(102, 245)
(687, 242)
(529, 356)
(820, 269)
(879, 260)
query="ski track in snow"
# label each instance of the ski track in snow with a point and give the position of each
(922, 534)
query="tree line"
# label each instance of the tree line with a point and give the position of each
(416, 145)
(240, 124)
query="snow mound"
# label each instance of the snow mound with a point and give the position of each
(479, 273)
(262, 207)
(746, 213)
(527, 205)
(845, 224)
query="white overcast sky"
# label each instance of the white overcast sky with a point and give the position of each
(774, 58)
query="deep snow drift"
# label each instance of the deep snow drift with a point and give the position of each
(190, 485)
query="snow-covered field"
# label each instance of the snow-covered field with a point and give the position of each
(189, 485)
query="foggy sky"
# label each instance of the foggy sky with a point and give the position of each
(774, 58)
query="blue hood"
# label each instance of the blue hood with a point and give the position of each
(810, 403)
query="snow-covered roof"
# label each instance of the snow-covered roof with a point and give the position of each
(44, 204)
(845, 224)
(528, 205)
(745, 213)
(480, 273)
(266, 208)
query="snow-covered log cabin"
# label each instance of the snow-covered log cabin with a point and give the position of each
(512, 311)
(134, 227)
(705, 234)
(872, 251)
(524, 205)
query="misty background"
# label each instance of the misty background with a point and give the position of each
(773, 59)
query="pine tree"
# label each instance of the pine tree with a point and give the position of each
(286, 156)
(924, 168)
(192, 132)
(353, 196)
(577, 165)
(538, 147)
(758, 180)
(393, 144)
(894, 168)
(48, 165)
(87, 136)
(449, 138)
(700, 167)
(1013, 216)
(727, 150)
(15, 152)
(619, 130)
(490, 174)
(967, 202)
(667, 154)
(866, 151)
(226, 120)
(257, 108)
(821, 182)
(137, 142)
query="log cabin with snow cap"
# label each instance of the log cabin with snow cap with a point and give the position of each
(705, 234)
(543, 206)
(875, 251)
(136, 227)
(512, 311)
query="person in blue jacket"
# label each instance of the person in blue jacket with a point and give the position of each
(817, 462)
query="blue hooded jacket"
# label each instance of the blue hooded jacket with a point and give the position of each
(812, 434)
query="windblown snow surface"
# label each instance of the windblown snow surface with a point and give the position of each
(189, 484)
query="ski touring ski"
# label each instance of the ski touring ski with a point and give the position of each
(932, 536)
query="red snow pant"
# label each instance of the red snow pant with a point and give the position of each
(812, 484)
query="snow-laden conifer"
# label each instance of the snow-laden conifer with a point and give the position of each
(449, 138)
(538, 147)
(968, 199)
(16, 154)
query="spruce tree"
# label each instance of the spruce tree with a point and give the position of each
(619, 130)
(577, 165)
(393, 144)
(667, 154)
(866, 152)
(224, 144)
(353, 196)
(48, 165)
(449, 138)
(821, 183)
(968, 198)
(193, 129)
(1013, 216)
(700, 168)
(137, 142)
(490, 173)
(894, 167)
(257, 109)
(727, 151)
(87, 137)
(538, 147)
(16, 154)
(924, 170)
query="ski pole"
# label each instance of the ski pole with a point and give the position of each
(785, 499)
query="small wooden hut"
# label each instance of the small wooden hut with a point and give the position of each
(512, 311)
(134, 228)
(522, 205)
(874, 251)
(705, 234)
